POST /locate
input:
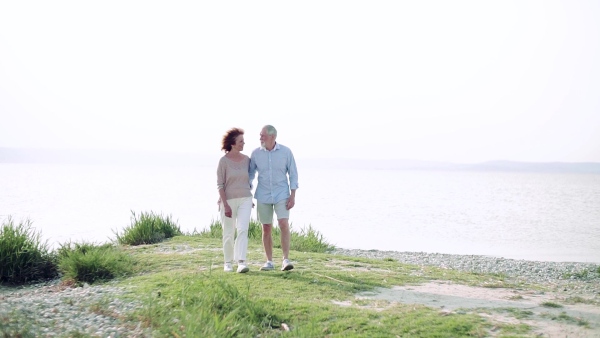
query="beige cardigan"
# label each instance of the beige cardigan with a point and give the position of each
(233, 177)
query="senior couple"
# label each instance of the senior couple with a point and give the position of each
(275, 193)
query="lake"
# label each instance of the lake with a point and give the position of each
(520, 215)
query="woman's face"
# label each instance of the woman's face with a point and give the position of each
(239, 143)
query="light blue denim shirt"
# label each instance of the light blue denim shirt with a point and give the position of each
(274, 168)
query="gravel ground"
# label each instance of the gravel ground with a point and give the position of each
(53, 310)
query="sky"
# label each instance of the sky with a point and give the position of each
(459, 81)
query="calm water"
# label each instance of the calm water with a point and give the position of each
(533, 216)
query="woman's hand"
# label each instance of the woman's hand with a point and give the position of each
(227, 210)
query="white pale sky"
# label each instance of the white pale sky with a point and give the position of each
(461, 81)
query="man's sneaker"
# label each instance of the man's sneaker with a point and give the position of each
(227, 267)
(242, 268)
(286, 265)
(267, 267)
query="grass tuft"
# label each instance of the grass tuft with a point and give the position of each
(551, 305)
(578, 299)
(215, 230)
(307, 240)
(585, 274)
(90, 263)
(148, 228)
(23, 256)
(563, 316)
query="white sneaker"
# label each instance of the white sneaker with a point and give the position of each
(242, 268)
(286, 266)
(267, 267)
(227, 267)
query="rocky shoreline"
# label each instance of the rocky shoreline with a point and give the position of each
(571, 278)
(527, 271)
(53, 310)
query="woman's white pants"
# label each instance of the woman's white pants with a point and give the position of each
(236, 247)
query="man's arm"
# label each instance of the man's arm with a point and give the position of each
(252, 169)
(292, 172)
(293, 177)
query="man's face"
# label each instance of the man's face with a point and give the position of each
(266, 140)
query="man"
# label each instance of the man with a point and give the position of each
(275, 191)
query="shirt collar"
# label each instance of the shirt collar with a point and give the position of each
(276, 147)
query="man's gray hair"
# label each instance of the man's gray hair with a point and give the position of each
(270, 130)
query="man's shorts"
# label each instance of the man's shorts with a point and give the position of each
(265, 211)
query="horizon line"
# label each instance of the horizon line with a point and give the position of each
(185, 153)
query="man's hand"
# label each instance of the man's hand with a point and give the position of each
(290, 202)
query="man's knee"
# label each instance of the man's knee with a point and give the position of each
(283, 223)
(267, 228)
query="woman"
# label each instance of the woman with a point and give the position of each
(235, 199)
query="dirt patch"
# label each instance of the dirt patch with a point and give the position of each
(544, 312)
(343, 265)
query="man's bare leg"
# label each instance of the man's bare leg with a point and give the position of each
(285, 236)
(267, 241)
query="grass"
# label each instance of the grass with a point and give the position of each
(215, 230)
(583, 274)
(207, 307)
(307, 239)
(186, 293)
(24, 257)
(564, 317)
(91, 263)
(551, 305)
(147, 228)
(514, 330)
(577, 299)
(517, 313)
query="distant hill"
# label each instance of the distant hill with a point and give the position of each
(26, 155)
